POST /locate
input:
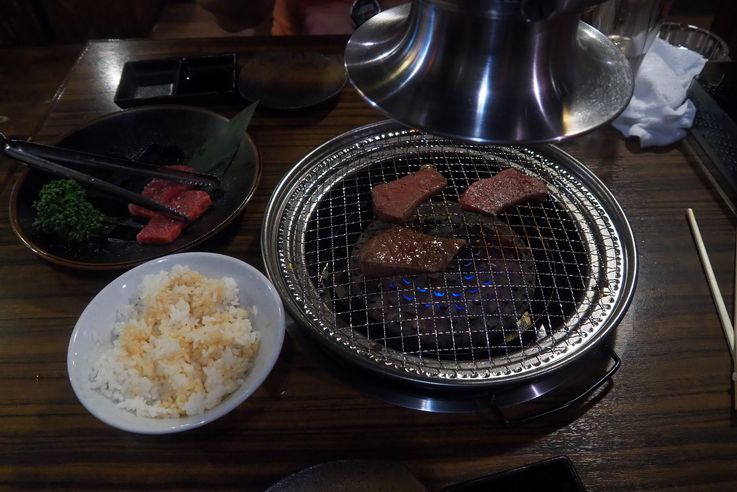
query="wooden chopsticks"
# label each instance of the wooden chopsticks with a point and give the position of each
(727, 325)
(48, 159)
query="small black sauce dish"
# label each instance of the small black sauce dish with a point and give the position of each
(209, 79)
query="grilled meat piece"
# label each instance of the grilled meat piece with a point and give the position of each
(400, 250)
(509, 187)
(397, 200)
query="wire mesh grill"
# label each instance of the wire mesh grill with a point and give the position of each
(479, 321)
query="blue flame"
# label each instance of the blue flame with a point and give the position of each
(408, 298)
(456, 294)
(406, 281)
(439, 293)
(468, 277)
(422, 289)
(459, 307)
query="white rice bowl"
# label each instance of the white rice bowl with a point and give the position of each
(260, 327)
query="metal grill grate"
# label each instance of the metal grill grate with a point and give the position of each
(477, 307)
(498, 327)
(715, 131)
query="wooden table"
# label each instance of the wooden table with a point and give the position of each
(28, 81)
(665, 423)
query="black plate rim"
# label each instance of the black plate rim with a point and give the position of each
(250, 95)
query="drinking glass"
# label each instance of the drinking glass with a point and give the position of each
(632, 25)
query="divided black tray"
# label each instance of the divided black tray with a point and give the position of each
(186, 80)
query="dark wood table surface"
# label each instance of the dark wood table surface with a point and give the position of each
(665, 423)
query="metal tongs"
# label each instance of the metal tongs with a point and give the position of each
(48, 159)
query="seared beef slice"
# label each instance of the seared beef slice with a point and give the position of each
(400, 250)
(509, 187)
(397, 200)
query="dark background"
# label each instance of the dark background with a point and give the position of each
(43, 22)
(41, 39)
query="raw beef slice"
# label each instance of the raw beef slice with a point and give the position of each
(160, 190)
(509, 187)
(192, 203)
(164, 230)
(397, 200)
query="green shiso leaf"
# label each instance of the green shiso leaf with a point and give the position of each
(216, 154)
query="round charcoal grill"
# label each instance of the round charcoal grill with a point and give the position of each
(534, 290)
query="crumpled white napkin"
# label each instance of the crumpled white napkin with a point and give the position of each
(659, 113)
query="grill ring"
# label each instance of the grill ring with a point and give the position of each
(583, 249)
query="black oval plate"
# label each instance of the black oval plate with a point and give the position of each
(161, 135)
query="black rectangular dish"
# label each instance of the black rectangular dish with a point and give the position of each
(552, 475)
(187, 80)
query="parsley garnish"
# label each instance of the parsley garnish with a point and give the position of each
(64, 211)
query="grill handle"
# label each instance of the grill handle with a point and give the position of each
(516, 396)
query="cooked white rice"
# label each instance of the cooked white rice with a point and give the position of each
(182, 347)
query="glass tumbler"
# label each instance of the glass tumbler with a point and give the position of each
(632, 25)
